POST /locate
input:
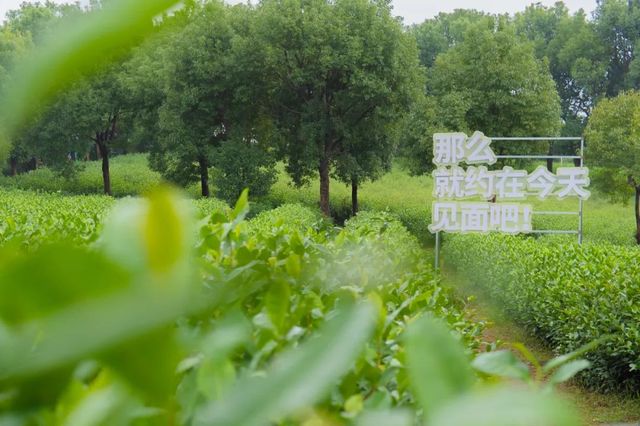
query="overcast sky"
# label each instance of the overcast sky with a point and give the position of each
(415, 11)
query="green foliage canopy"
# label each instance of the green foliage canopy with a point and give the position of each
(507, 91)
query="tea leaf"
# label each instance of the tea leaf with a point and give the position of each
(437, 364)
(501, 364)
(505, 407)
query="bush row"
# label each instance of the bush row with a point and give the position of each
(569, 295)
(29, 218)
(407, 197)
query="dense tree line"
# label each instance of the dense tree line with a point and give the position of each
(330, 88)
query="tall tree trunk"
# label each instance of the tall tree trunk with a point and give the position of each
(98, 153)
(204, 176)
(550, 160)
(354, 196)
(637, 208)
(324, 186)
(14, 166)
(106, 175)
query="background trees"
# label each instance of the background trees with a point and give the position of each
(93, 116)
(506, 91)
(488, 79)
(329, 88)
(576, 57)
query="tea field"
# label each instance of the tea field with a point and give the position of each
(156, 307)
(227, 300)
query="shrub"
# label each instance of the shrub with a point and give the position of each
(267, 285)
(240, 165)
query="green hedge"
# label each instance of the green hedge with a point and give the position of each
(567, 294)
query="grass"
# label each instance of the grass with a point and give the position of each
(130, 175)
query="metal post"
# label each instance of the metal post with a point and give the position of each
(581, 218)
(580, 223)
(437, 265)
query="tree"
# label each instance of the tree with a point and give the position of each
(339, 74)
(93, 111)
(143, 76)
(616, 24)
(540, 24)
(613, 137)
(36, 20)
(437, 35)
(428, 116)
(199, 111)
(505, 90)
(89, 113)
(577, 58)
(12, 47)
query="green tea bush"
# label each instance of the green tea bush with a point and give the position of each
(569, 295)
(161, 320)
(281, 319)
(291, 216)
(30, 218)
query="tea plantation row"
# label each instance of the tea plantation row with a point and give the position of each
(569, 295)
(30, 218)
(155, 319)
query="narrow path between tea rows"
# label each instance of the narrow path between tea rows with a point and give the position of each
(597, 409)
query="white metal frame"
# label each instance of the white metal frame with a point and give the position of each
(579, 213)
